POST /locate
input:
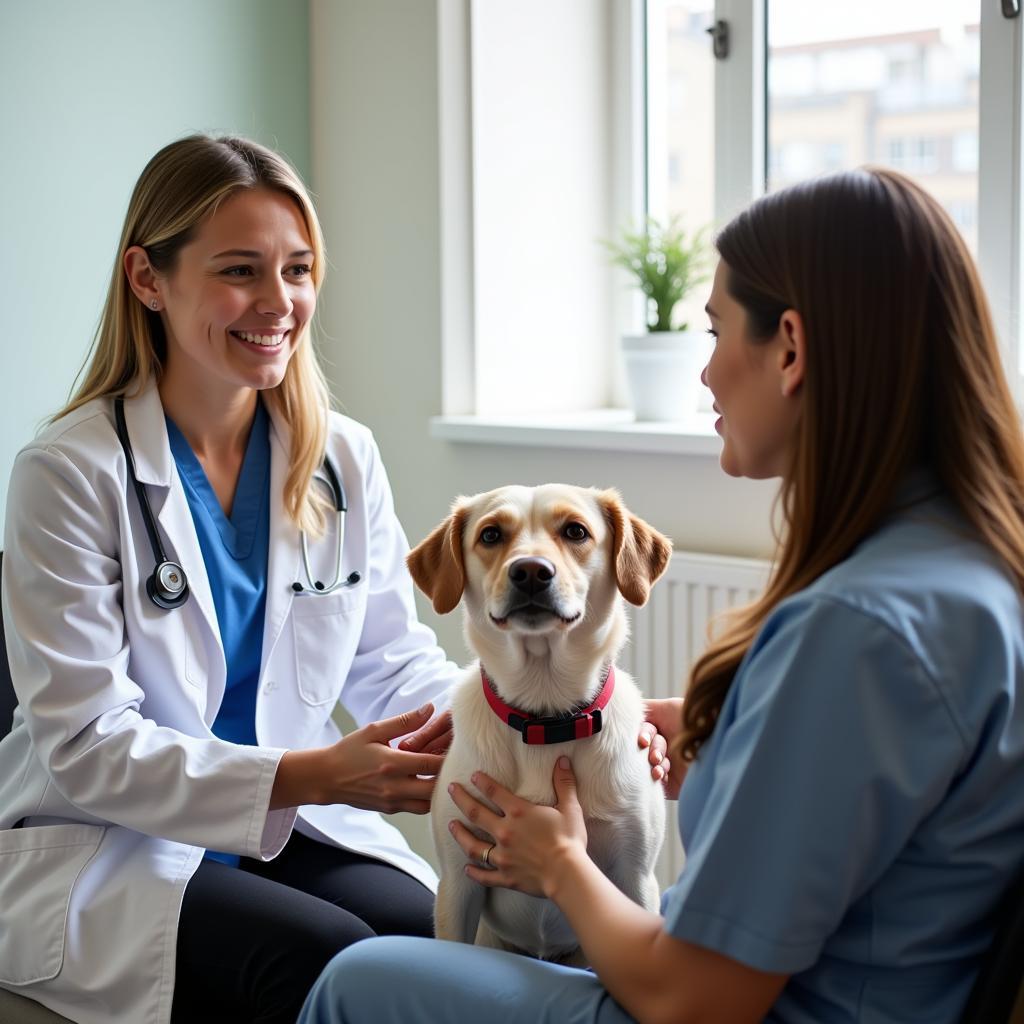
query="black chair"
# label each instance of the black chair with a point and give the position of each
(8, 702)
(998, 993)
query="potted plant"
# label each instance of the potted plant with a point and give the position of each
(663, 365)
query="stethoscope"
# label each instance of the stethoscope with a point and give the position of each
(167, 586)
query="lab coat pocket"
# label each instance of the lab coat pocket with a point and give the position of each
(326, 631)
(39, 867)
(195, 664)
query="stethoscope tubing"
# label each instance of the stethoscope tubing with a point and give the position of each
(167, 586)
(140, 490)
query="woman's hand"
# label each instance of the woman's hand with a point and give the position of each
(664, 721)
(362, 770)
(434, 738)
(532, 843)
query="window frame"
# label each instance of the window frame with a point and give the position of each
(999, 178)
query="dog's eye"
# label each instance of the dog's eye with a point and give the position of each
(490, 535)
(575, 532)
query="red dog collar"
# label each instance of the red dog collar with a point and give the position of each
(556, 729)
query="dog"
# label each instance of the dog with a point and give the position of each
(542, 573)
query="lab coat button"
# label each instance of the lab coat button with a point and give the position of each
(269, 686)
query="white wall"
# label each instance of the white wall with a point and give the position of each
(541, 201)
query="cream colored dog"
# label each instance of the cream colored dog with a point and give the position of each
(541, 573)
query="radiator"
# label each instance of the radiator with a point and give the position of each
(669, 633)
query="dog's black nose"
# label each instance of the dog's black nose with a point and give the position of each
(531, 575)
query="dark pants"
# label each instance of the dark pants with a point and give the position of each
(253, 939)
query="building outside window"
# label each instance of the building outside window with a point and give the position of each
(841, 91)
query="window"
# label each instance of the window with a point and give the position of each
(913, 155)
(679, 55)
(624, 109)
(808, 88)
(894, 85)
(965, 152)
(965, 216)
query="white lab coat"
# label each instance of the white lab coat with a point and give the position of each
(111, 758)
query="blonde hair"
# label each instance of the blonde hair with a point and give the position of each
(902, 370)
(179, 188)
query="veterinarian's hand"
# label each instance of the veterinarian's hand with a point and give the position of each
(365, 771)
(664, 722)
(530, 840)
(434, 738)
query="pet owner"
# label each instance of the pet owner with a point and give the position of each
(854, 805)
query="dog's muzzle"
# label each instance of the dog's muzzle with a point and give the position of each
(531, 597)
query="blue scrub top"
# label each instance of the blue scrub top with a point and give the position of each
(235, 555)
(859, 808)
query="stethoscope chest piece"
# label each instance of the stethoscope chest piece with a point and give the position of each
(168, 587)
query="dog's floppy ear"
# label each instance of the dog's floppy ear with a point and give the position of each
(639, 553)
(436, 564)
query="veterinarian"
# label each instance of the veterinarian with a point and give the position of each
(179, 701)
(854, 805)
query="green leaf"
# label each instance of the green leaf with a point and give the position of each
(666, 262)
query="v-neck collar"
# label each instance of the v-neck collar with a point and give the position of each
(237, 532)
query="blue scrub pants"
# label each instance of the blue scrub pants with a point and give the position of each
(400, 980)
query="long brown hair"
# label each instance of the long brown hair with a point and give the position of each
(902, 370)
(178, 189)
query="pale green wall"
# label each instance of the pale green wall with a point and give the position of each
(89, 91)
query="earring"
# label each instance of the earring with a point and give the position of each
(154, 304)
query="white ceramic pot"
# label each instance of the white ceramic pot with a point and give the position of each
(663, 371)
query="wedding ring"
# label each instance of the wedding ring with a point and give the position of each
(486, 858)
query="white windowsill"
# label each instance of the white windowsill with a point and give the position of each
(600, 429)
